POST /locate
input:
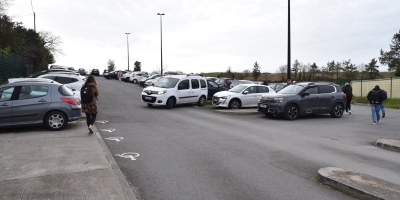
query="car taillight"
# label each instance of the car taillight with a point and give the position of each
(344, 95)
(70, 101)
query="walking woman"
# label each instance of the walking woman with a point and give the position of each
(90, 108)
(348, 90)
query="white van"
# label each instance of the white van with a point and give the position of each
(177, 89)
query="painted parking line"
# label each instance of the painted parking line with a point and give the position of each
(108, 130)
(117, 139)
(130, 155)
(103, 121)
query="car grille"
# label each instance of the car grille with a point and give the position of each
(146, 99)
(263, 100)
(215, 100)
(150, 92)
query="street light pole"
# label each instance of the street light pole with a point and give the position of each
(288, 56)
(127, 45)
(161, 14)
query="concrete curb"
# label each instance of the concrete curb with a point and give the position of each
(238, 112)
(126, 188)
(357, 184)
(393, 145)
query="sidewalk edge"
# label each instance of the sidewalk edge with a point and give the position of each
(127, 190)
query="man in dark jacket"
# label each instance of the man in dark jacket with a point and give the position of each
(375, 99)
(348, 90)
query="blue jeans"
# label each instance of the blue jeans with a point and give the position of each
(376, 116)
(382, 105)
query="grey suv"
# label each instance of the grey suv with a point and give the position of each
(306, 98)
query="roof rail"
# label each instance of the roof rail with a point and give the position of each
(195, 75)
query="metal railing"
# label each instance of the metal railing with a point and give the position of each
(11, 66)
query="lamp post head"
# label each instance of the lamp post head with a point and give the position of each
(127, 33)
(160, 14)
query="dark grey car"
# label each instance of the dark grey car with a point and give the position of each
(306, 98)
(49, 103)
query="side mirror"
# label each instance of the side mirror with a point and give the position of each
(246, 92)
(306, 93)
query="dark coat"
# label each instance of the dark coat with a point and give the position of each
(348, 90)
(92, 106)
(376, 89)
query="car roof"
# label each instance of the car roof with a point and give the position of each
(185, 75)
(314, 83)
(252, 84)
(18, 80)
(33, 82)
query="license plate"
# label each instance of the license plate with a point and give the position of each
(148, 98)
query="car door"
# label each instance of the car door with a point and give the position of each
(31, 103)
(327, 96)
(195, 90)
(310, 103)
(183, 93)
(260, 91)
(6, 104)
(249, 96)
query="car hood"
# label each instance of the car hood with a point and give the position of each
(225, 93)
(152, 88)
(276, 95)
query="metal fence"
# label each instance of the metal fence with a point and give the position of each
(11, 66)
(362, 87)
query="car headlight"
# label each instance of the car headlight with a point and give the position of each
(278, 99)
(162, 92)
(144, 90)
(225, 97)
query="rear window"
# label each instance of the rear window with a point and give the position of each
(63, 90)
(229, 80)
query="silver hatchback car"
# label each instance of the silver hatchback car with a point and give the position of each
(33, 102)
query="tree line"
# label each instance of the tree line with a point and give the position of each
(37, 48)
(332, 70)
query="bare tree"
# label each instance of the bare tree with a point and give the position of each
(51, 42)
(282, 72)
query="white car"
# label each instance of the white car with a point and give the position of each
(177, 89)
(244, 95)
(72, 81)
(151, 82)
(134, 76)
(143, 79)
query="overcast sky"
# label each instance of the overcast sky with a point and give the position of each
(212, 35)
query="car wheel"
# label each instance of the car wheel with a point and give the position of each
(292, 112)
(234, 104)
(149, 105)
(202, 101)
(337, 110)
(55, 120)
(134, 81)
(170, 103)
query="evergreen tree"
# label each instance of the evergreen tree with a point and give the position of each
(372, 68)
(111, 65)
(349, 69)
(256, 71)
(392, 58)
(138, 66)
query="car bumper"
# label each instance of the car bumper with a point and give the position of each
(270, 108)
(220, 102)
(154, 99)
(75, 114)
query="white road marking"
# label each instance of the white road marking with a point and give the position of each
(130, 155)
(115, 138)
(108, 130)
(103, 121)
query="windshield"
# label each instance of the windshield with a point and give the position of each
(166, 82)
(291, 89)
(238, 89)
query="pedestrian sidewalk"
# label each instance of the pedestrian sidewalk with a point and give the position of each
(67, 164)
